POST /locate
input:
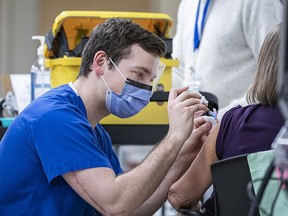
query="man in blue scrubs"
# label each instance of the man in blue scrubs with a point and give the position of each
(56, 159)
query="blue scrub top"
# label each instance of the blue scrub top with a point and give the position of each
(51, 137)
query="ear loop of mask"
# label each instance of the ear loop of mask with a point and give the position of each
(117, 70)
(105, 83)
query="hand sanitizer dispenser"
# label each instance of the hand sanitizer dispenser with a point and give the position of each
(40, 76)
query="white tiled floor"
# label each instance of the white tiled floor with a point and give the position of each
(129, 157)
(168, 210)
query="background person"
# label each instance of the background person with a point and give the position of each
(220, 55)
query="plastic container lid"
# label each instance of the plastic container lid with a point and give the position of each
(75, 24)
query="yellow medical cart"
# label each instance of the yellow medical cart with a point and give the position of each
(64, 43)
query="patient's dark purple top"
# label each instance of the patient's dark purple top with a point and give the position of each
(248, 129)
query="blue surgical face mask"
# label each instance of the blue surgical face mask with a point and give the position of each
(133, 98)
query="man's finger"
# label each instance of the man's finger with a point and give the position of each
(199, 121)
(174, 92)
(201, 130)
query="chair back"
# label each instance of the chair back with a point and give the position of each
(230, 178)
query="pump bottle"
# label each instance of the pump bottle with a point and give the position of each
(40, 75)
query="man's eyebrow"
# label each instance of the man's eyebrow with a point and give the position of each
(146, 70)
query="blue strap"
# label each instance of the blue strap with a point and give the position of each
(197, 37)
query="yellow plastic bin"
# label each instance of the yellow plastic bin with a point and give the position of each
(73, 25)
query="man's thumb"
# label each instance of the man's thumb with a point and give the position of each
(203, 129)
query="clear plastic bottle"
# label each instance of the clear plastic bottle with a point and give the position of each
(40, 75)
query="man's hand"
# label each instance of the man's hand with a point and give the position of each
(190, 149)
(182, 106)
(200, 125)
(194, 143)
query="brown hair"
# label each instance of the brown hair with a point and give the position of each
(115, 37)
(264, 88)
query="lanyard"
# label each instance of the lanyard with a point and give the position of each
(197, 36)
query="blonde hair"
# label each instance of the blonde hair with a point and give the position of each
(264, 88)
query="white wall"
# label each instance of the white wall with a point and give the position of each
(169, 7)
(19, 22)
